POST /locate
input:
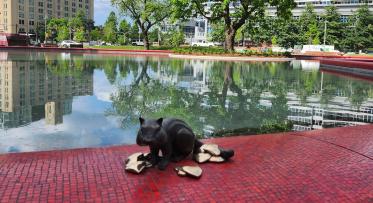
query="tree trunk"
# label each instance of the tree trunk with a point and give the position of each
(230, 34)
(146, 40)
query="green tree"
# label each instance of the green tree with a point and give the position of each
(289, 33)
(134, 33)
(359, 35)
(57, 29)
(174, 38)
(124, 31)
(220, 11)
(77, 25)
(335, 28)
(96, 34)
(217, 31)
(124, 26)
(309, 25)
(63, 33)
(145, 14)
(110, 28)
(79, 35)
(261, 29)
(89, 26)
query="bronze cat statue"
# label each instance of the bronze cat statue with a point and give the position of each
(173, 137)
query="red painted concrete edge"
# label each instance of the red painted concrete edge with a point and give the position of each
(348, 63)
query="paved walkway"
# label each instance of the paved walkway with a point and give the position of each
(320, 166)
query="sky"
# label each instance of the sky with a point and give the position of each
(102, 10)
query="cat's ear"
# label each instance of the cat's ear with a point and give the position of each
(160, 121)
(141, 120)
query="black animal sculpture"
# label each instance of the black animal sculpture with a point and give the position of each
(173, 137)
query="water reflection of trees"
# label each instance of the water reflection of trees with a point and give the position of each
(247, 98)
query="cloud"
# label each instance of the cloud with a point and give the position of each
(102, 87)
(102, 11)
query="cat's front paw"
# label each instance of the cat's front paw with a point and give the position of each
(163, 164)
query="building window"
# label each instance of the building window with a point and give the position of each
(31, 22)
(21, 22)
(344, 18)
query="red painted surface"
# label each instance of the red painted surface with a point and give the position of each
(348, 63)
(333, 165)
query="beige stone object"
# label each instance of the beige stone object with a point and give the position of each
(135, 167)
(202, 157)
(193, 171)
(216, 159)
(133, 158)
(212, 149)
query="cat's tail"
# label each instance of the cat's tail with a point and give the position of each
(224, 153)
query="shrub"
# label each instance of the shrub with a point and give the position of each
(221, 51)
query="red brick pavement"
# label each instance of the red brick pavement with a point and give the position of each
(333, 165)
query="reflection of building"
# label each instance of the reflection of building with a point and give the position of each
(24, 16)
(53, 113)
(30, 92)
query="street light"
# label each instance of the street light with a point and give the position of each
(45, 22)
(325, 32)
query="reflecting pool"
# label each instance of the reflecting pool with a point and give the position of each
(63, 100)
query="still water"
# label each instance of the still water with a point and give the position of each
(63, 100)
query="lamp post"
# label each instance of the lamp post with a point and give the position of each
(45, 22)
(325, 32)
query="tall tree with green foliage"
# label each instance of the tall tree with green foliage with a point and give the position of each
(221, 11)
(289, 33)
(359, 35)
(334, 27)
(110, 28)
(60, 26)
(145, 13)
(89, 26)
(96, 34)
(309, 26)
(134, 32)
(261, 29)
(217, 31)
(124, 31)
